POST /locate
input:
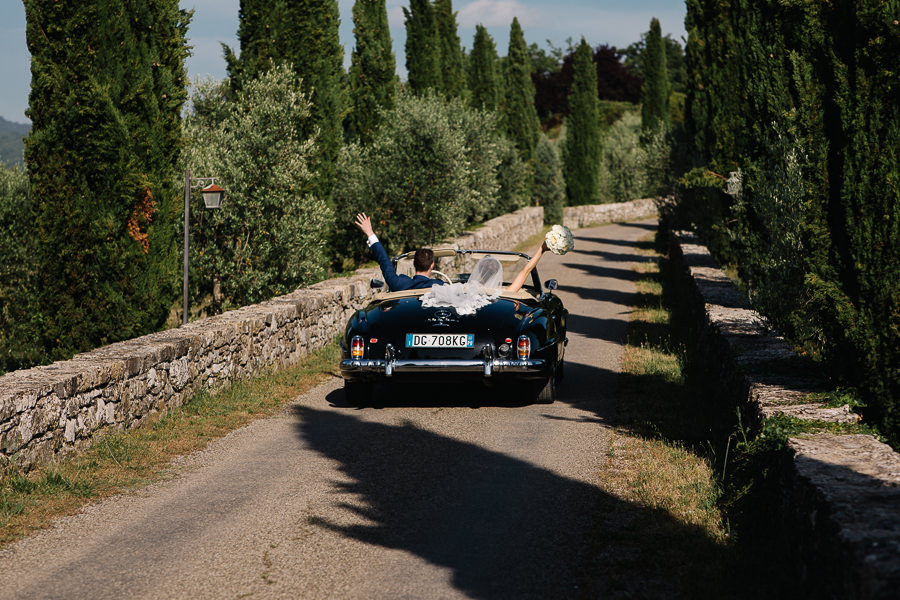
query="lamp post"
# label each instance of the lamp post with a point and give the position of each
(212, 199)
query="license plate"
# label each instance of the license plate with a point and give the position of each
(440, 340)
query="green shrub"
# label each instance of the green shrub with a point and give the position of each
(634, 163)
(269, 237)
(427, 172)
(621, 176)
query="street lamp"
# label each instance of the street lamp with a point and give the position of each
(212, 199)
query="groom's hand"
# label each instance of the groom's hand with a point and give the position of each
(365, 223)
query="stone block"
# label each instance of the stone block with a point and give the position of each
(850, 486)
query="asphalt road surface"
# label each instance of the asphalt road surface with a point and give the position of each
(453, 493)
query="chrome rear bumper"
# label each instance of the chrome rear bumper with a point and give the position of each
(350, 368)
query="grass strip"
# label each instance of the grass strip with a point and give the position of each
(122, 460)
(666, 525)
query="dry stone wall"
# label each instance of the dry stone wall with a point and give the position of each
(841, 493)
(51, 410)
(583, 216)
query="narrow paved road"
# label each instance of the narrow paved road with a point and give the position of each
(447, 495)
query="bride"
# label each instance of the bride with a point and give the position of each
(483, 286)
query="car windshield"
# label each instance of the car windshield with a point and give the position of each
(457, 266)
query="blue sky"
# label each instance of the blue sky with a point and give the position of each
(617, 23)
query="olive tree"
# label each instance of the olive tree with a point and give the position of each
(270, 236)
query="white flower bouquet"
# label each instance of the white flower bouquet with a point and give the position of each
(559, 239)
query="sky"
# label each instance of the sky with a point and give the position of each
(616, 23)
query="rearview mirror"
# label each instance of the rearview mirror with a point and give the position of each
(376, 284)
(551, 284)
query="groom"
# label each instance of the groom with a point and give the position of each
(423, 262)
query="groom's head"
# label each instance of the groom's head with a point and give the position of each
(423, 261)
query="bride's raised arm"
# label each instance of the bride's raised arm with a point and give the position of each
(519, 280)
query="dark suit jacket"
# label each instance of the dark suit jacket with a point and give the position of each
(399, 282)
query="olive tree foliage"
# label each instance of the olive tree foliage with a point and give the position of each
(269, 236)
(428, 172)
(634, 165)
(15, 226)
(514, 176)
(303, 33)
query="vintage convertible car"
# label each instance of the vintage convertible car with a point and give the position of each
(516, 343)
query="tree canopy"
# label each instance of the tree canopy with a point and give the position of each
(108, 84)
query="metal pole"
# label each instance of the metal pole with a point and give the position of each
(187, 242)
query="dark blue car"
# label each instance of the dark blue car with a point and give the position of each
(518, 338)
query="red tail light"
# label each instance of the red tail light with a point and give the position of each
(524, 347)
(357, 347)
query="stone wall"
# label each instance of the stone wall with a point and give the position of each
(841, 493)
(51, 410)
(583, 216)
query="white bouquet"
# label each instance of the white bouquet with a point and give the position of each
(559, 239)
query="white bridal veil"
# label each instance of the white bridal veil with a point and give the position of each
(481, 289)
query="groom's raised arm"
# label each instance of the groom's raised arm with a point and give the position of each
(395, 282)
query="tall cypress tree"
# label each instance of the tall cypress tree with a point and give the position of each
(108, 84)
(314, 48)
(303, 33)
(655, 93)
(453, 77)
(522, 124)
(261, 35)
(484, 83)
(583, 129)
(802, 97)
(372, 69)
(422, 49)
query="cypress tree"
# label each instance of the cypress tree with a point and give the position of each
(314, 48)
(453, 78)
(108, 84)
(549, 182)
(303, 33)
(583, 129)
(522, 124)
(261, 35)
(802, 97)
(422, 48)
(372, 69)
(484, 83)
(655, 93)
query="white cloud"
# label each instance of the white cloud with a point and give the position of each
(496, 13)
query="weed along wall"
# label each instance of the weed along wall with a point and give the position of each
(840, 503)
(51, 410)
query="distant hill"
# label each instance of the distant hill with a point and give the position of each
(12, 146)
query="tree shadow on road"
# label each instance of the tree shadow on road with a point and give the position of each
(504, 527)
